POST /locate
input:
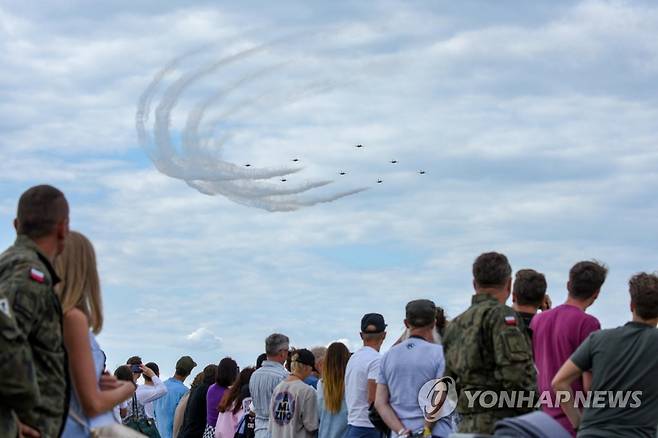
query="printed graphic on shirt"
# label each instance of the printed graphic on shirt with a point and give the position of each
(284, 408)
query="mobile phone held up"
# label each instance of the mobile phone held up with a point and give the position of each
(135, 369)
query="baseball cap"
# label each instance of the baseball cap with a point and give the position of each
(420, 313)
(305, 357)
(375, 320)
(186, 363)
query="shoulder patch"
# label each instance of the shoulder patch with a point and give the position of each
(37, 275)
(510, 320)
(4, 307)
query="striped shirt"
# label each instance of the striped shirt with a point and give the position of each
(261, 387)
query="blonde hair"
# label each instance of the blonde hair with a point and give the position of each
(80, 286)
(333, 376)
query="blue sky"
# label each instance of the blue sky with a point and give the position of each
(535, 124)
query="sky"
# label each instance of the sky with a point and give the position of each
(534, 121)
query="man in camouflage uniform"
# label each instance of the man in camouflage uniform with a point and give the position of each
(486, 349)
(34, 386)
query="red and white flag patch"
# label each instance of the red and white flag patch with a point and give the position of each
(510, 320)
(37, 275)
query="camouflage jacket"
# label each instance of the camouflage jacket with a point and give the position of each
(486, 349)
(34, 369)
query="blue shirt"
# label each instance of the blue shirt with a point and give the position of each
(405, 368)
(332, 425)
(312, 380)
(165, 407)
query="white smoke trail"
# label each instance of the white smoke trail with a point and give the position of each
(207, 173)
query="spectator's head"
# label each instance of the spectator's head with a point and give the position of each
(236, 393)
(441, 321)
(420, 315)
(43, 216)
(261, 358)
(302, 363)
(585, 281)
(373, 330)
(644, 297)
(276, 347)
(155, 368)
(134, 364)
(333, 376)
(529, 288)
(184, 367)
(198, 380)
(227, 372)
(124, 373)
(319, 353)
(210, 374)
(80, 287)
(492, 274)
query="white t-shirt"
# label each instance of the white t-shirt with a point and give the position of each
(362, 366)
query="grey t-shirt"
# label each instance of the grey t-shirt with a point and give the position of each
(621, 359)
(294, 410)
(405, 368)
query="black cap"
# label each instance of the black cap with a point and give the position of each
(305, 357)
(185, 363)
(371, 320)
(420, 313)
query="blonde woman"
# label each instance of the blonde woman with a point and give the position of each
(80, 295)
(331, 392)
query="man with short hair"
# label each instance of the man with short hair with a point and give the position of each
(361, 377)
(33, 365)
(405, 368)
(165, 406)
(486, 349)
(558, 332)
(624, 364)
(266, 378)
(319, 353)
(529, 295)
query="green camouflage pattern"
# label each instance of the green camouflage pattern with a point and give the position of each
(34, 369)
(483, 352)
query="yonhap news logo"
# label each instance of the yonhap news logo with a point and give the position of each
(438, 398)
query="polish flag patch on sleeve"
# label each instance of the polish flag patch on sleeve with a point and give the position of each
(37, 275)
(510, 320)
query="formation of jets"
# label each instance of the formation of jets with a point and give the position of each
(342, 173)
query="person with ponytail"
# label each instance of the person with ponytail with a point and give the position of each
(332, 409)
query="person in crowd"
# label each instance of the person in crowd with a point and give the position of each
(266, 378)
(227, 372)
(122, 373)
(179, 415)
(529, 295)
(261, 358)
(152, 389)
(559, 331)
(195, 414)
(31, 337)
(403, 371)
(234, 404)
(361, 377)
(319, 353)
(80, 295)
(624, 366)
(165, 407)
(486, 349)
(332, 409)
(293, 408)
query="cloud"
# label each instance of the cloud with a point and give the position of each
(537, 132)
(202, 339)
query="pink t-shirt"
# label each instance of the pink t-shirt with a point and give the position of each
(556, 334)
